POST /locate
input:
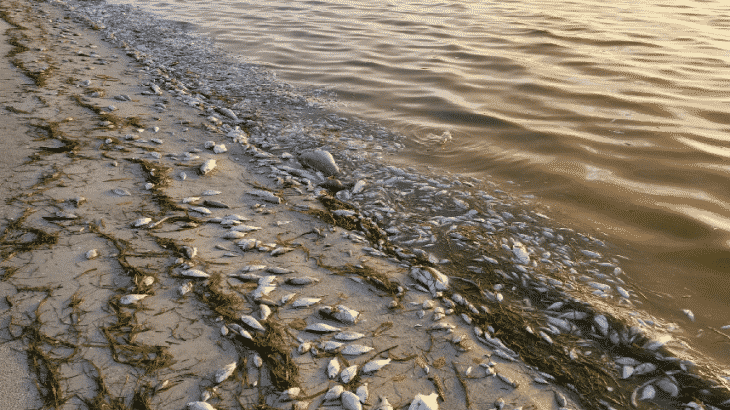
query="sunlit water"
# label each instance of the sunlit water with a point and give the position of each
(617, 114)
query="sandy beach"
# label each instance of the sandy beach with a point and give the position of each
(153, 257)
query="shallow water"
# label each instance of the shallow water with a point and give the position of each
(615, 114)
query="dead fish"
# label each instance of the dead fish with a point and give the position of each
(265, 195)
(189, 251)
(211, 192)
(689, 314)
(286, 298)
(208, 166)
(320, 160)
(334, 393)
(131, 299)
(225, 372)
(147, 281)
(648, 393)
(354, 350)
(304, 347)
(121, 192)
(350, 401)
(257, 361)
(234, 235)
(321, 328)
(200, 210)
(92, 254)
(199, 405)
(215, 204)
(499, 403)
(265, 311)
(252, 323)
(333, 368)
(362, 393)
(194, 273)
(279, 271)
(245, 228)
(348, 374)
(281, 250)
(340, 313)
(384, 405)
(301, 281)
(560, 399)
(330, 346)
(375, 365)
(141, 221)
(507, 380)
(247, 244)
(348, 336)
(190, 199)
(423, 402)
(185, 288)
(305, 302)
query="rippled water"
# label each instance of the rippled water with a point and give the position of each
(615, 113)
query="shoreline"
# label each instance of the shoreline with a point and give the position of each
(295, 232)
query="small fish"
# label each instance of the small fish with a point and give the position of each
(131, 299)
(330, 346)
(354, 350)
(215, 204)
(121, 192)
(333, 368)
(225, 372)
(305, 302)
(245, 228)
(199, 405)
(208, 166)
(348, 374)
(252, 323)
(349, 336)
(141, 221)
(211, 192)
(362, 393)
(321, 328)
(301, 281)
(200, 209)
(350, 401)
(194, 273)
(92, 254)
(334, 393)
(375, 365)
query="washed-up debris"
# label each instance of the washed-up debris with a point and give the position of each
(320, 160)
(265, 195)
(131, 299)
(92, 254)
(208, 166)
(194, 273)
(254, 324)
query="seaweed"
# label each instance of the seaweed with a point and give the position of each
(18, 238)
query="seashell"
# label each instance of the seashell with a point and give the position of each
(384, 405)
(211, 192)
(362, 393)
(348, 374)
(225, 372)
(422, 402)
(257, 360)
(301, 281)
(333, 368)
(200, 210)
(349, 336)
(207, 166)
(194, 273)
(320, 160)
(265, 311)
(131, 299)
(246, 244)
(321, 328)
(121, 192)
(92, 254)
(252, 323)
(375, 365)
(305, 302)
(265, 195)
(199, 405)
(334, 392)
(648, 393)
(245, 228)
(354, 350)
(330, 346)
(350, 401)
(141, 221)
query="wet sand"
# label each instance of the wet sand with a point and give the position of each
(125, 286)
